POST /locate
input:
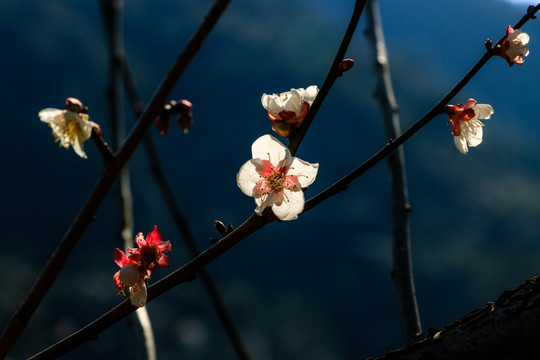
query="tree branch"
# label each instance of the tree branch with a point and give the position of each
(332, 76)
(180, 219)
(110, 173)
(401, 249)
(508, 328)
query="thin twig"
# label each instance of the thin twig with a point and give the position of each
(332, 76)
(187, 272)
(180, 219)
(111, 10)
(109, 175)
(401, 248)
(392, 145)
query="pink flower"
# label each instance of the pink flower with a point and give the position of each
(275, 178)
(466, 126)
(136, 268)
(514, 47)
(288, 109)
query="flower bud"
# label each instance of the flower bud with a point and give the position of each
(346, 65)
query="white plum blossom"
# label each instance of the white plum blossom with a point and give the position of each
(288, 109)
(515, 46)
(466, 124)
(69, 126)
(275, 178)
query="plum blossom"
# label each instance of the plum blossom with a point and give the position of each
(288, 109)
(514, 47)
(136, 268)
(70, 126)
(275, 178)
(466, 126)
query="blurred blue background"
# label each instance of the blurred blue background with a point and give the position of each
(315, 288)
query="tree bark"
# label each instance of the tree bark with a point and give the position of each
(508, 328)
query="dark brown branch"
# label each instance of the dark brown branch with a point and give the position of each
(392, 145)
(181, 221)
(109, 175)
(401, 249)
(107, 155)
(187, 272)
(334, 73)
(508, 328)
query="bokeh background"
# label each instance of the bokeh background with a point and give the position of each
(315, 288)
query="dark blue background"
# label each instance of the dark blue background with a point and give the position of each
(315, 288)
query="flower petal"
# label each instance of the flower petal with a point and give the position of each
(139, 240)
(271, 199)
(483, 111)
(165, 246)
(461, 144)
(304, 171)
(248, 177)
(163, 261)
(120, 258)
(47, 115)
(138, 294)
(291, 206)
(310, 93)
(154, 237)
(473, 133)
(269, 148)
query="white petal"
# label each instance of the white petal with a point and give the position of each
(473, 132)
(78, 147)
(520, 36)
(291, 206)
(138, 294)
(304, 171)
(272, 103)
(129, 274)
(47, 115)
(268, 147)
(269, 200)
(292, 100)
(248, 177)
(483, 111)
(461, 144)
(310, 93)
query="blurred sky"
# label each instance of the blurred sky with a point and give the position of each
(315, 288)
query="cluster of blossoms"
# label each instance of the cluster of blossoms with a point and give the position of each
(136, 268)
(514, 46)
(288, 109)
(466, 124)
(70, 126)
(275, 178)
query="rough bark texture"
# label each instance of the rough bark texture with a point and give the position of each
(508, 328)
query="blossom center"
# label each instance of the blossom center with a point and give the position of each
(149, 255)
(276, 180)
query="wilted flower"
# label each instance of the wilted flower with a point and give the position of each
(70, 126)
(466, 126)
(136, 268)
(514, 46)
(275, 178)
(288, 109)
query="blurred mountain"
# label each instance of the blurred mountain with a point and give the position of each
(316, 288)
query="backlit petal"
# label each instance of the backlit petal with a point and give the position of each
(304, 171)
(248, 176)
(268, 147)
(461, 144)
(291, 206)
(483, 111)
(154, 237)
